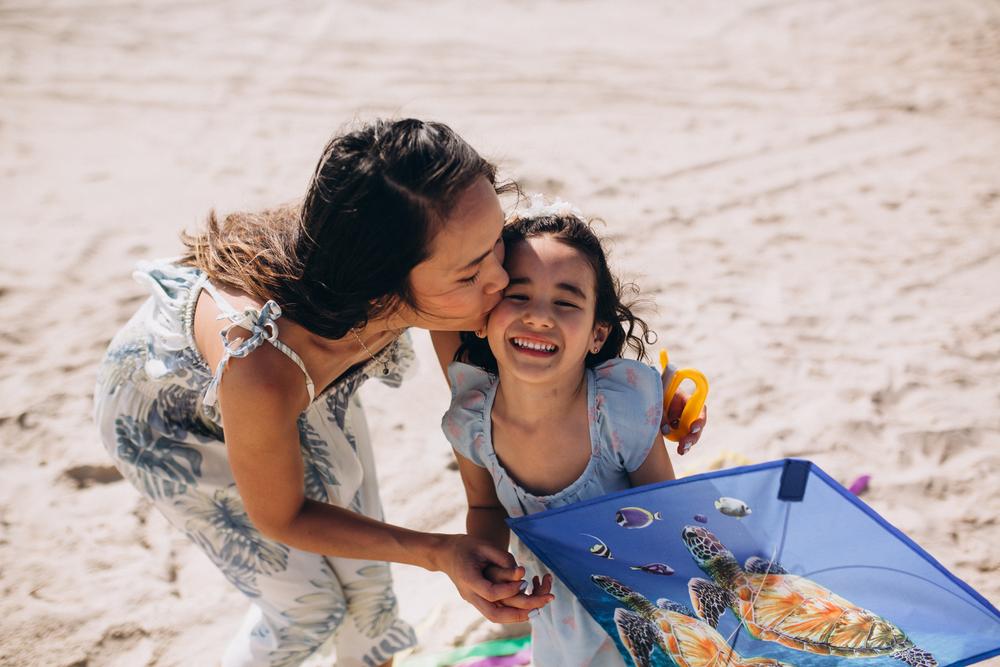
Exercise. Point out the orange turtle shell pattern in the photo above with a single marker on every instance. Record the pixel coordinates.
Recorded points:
(799, 613)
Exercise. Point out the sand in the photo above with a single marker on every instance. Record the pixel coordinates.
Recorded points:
(807, 191)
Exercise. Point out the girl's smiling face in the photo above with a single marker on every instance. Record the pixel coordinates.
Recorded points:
(544, 326)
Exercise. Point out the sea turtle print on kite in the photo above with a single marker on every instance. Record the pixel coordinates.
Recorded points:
(686, 640)
(788, 609)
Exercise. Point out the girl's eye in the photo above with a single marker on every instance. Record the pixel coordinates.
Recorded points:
(473, 279)
(567, 304)
(516, 297)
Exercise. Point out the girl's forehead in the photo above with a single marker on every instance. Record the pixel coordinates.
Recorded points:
(548, 255)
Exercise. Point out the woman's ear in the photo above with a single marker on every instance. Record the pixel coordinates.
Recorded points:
(599, 336)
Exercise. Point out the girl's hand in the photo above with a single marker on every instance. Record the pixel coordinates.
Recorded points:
(467, 559)
(671, 419)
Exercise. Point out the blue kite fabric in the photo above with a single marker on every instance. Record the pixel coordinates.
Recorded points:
(763, 565)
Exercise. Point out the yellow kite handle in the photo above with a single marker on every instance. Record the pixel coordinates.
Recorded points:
(672, 378)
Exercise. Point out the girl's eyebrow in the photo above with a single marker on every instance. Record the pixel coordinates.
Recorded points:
(572, 289)
(566, 287)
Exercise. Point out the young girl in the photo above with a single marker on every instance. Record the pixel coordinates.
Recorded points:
(547, 413)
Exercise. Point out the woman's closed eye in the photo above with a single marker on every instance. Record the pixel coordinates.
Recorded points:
(474, 278)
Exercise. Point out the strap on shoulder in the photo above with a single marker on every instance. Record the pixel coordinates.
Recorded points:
(263, 327)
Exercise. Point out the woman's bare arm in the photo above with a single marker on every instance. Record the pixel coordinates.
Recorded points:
(446, 344)
(261, 397)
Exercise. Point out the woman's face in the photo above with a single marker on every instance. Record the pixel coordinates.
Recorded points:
(463, 279)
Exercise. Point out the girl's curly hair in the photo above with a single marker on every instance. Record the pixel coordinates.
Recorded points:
(627, 330)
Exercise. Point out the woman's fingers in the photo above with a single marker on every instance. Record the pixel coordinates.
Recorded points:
(674, 410)
(671, 420)
(480, 570)
(495, 592)
(499, 575)
(536, 600)
(493, 556)
(496, 574)
(499, 613)
(490, 580)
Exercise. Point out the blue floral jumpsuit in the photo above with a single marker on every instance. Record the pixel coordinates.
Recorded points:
(155, 405)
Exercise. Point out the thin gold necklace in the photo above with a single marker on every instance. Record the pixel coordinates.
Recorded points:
(385, 363)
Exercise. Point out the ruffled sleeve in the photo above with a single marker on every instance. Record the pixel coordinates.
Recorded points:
(464, 423)
(629, 406)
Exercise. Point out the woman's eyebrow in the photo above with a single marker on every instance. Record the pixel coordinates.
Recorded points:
(474, 262)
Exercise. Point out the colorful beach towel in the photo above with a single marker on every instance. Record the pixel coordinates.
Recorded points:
(495, 653)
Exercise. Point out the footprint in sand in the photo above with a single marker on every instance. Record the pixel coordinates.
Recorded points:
(85, 476)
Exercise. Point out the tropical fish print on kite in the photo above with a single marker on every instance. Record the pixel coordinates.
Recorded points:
(810, 577)
(732, 507)
(635, 517)
(654, 568)
(600, 548)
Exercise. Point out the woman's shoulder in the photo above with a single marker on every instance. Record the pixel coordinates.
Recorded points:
(263, 387)
(240, 338)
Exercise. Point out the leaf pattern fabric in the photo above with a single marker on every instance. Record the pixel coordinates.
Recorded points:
(170, 445)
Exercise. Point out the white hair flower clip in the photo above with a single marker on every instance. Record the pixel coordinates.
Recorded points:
(540, 209)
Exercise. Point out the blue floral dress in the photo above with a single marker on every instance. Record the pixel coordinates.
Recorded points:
(625, 403)
(159, 419)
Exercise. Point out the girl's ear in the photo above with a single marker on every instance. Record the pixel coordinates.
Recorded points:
(599, 336)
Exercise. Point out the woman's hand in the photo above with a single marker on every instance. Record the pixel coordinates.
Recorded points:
(671, 420)
(541, 589)
(467, 559)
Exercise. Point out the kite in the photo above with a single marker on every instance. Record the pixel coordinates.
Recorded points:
(763, 565)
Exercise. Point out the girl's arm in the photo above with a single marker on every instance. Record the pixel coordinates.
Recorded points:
(485, 518)
(261, 401)
(656, 468)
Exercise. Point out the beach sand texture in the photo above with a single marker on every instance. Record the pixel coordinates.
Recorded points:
(808, 191)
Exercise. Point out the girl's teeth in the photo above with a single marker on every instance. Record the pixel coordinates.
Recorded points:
(534, 346)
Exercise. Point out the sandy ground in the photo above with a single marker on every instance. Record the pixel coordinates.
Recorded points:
(808, 191)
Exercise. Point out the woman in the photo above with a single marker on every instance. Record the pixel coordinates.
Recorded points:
(266, 327)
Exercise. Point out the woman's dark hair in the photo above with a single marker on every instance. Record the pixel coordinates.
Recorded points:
(378, 198)
(626, 330)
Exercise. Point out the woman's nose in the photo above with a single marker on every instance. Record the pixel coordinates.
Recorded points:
(496, 276)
